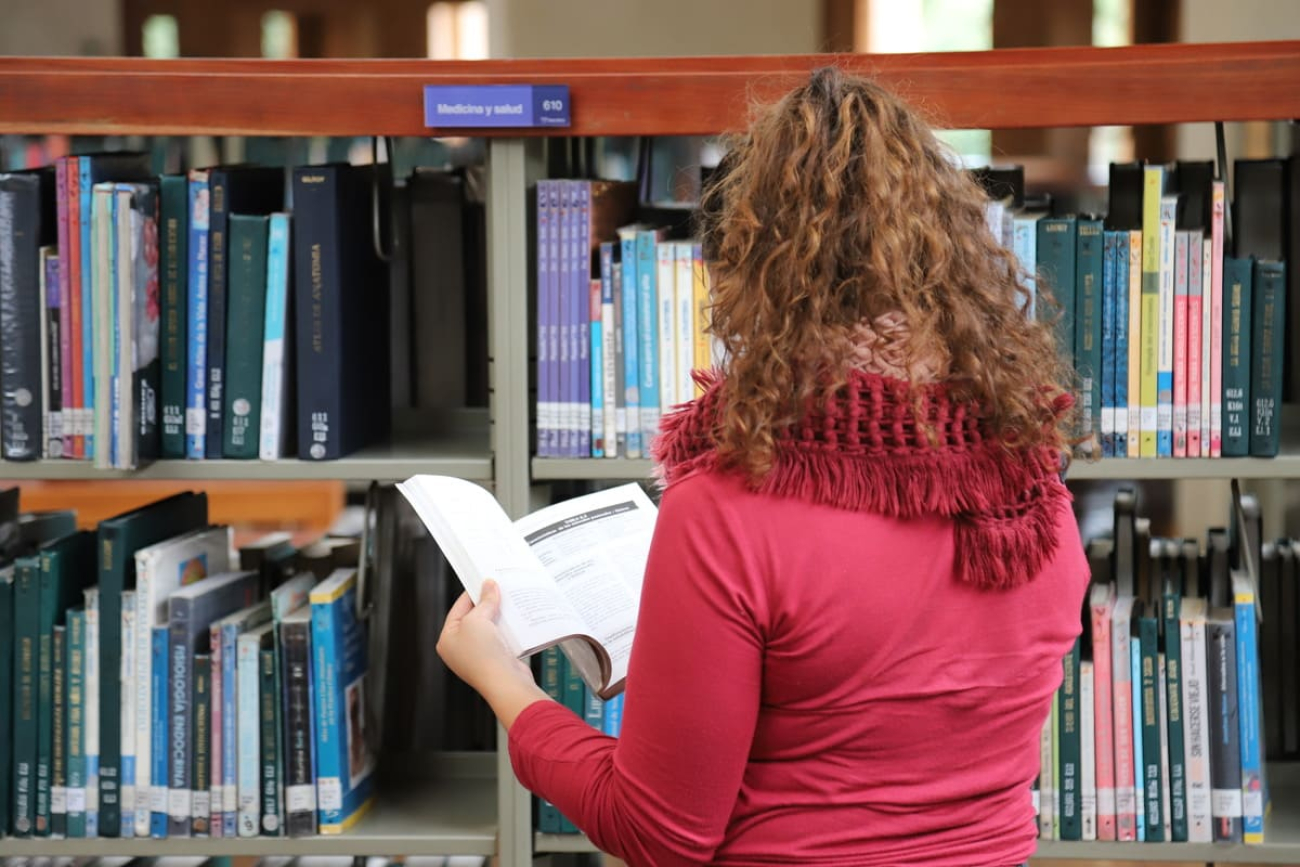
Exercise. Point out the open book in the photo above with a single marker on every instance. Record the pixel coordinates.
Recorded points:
(570, 574)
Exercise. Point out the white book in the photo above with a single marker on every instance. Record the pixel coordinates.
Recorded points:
(1134, 342)
(1024, 243)
(684, 295)
(666, 299)
(1196, 721)
(1207, 318)
(127, 718)
(249, 752)
(1165, 342)
(160, 570)
(1088, 751)
(276, 369)
(90, 750)
(609, 341)
(1046, 780)
(599, 543)
(1162, 685)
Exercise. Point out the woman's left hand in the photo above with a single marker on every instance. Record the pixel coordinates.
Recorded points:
(472, 645)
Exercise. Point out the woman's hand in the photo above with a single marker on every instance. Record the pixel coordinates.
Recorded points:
(471, 642)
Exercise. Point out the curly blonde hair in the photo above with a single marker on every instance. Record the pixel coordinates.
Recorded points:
(839, 206)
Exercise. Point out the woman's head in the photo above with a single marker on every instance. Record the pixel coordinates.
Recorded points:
(839, 207)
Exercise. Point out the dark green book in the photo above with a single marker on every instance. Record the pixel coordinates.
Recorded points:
(173, 264)
(1173, 601)
(1152, 798)
(1070, 749)
(75, 749)
(1087, 327)
(67, 568)
(1057, 241)
(58, 771)
(575, 700)
(272, 819)
(201, 739)
(245, 328)
(549, 820)
(1269, 320)
(6, 695)
(118, 540)
(26, 710)
(1237, 291)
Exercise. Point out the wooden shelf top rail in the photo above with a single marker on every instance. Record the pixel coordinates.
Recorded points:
(1000, 89)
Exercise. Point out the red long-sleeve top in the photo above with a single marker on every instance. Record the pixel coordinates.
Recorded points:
(811, 685)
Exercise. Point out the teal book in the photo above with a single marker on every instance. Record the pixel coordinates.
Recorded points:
(553, 665)
(6, 695)
(173, 274)
(1070, 749)
(271, 785)
(118, 540)
(1237, 296)
(1174, 710)
(245, 326)
(26, 710)
(58, 727)
(75, 748)
(1152, 774)
(1057, 243)
(67, 567)
(1267, 338)
(1089, 258)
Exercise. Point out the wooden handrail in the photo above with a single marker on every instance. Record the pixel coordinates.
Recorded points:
(1000, 89)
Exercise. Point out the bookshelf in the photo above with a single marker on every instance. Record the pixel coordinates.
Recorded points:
(475, 806)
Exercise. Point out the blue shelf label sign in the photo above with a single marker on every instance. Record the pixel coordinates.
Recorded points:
(479, 106)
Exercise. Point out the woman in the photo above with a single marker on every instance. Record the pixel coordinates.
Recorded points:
(865, 571)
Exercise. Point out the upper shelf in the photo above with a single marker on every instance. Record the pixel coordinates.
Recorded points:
(1000, 89)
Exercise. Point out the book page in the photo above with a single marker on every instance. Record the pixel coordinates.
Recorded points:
(595, 549)
(479, 542)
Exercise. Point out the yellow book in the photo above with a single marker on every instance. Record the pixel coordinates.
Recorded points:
(703, 347)
(1134, 290)
(1153, 187)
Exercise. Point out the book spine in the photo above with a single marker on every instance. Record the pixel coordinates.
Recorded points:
(700, 285)
(1196, 731)
(317, 309)
(1125, 794)
(1024, 243)
(1269, 322)
(142, 695)
(53, 364)
(218, 268)
(86, 445)
(48, 600)
(21, 411)
(563, 265)
(620, 363)
(300, 778)
(1153, 184)
(6, 702)
(1046, 776)
(648, 334)
(270, 791)
(142, 354)
(545, 445)
(608, 346)
(1236, 357)
(275, 350)
(126, 718)
(159, 747)
(26, 710)
(1196, 385)
(1225, 733)
(325, 692)
(1174, 719)
(1104, 721)
(94, 705)
(201, 757)
(1162, 693)
(112, 584)
(180, 799)
(1135, 345)
(665, 272)
(684, 292)
(1071, 820)
(216, 731)
(58, 733)
(1208, 394)
(196, 367)
(552, 665)
(1248, 714)
(1165, 340)
(1181, 357)
(1108, 369)
(1216, 319)
(597, 371)
(632, 362)
(1089, 263)
(172, 268)
(248, 754)
(1152, 778)
(62, 187)
(245, 332)
(72, 383)
(582, 306)
(1056, 766)
(1088, 751)
(75, 748)
(1057, 238)
(229, 756)
(1139, 757)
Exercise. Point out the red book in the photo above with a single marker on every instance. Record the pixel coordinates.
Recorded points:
(1103, 608)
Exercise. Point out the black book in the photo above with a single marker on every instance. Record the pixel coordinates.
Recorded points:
(340, 311)
(253, 190)
(1124, 211)
(27, 223)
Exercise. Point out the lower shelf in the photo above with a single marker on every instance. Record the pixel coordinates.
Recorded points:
(450, 815)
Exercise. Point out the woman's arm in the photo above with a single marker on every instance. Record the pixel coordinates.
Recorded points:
(662, 793)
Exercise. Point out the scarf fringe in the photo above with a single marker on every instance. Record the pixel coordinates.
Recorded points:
(1004, 507)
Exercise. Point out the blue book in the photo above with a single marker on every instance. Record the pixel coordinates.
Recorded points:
(631, 339)
(87, 305)
(647, 241)
(277, 371)
(196, 362)
(1254, 792)
(230, 628)
(344, 764)
(158, 732)
(1139, 763)
(597, 354)
(1124, 425)
(1165, 359)
(1109, 332)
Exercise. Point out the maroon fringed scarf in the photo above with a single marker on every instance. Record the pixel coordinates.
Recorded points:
(864, 452)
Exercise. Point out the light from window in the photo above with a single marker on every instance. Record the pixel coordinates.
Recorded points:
(1112, 24)
(279, 35)
(457, 30)
(161, 37)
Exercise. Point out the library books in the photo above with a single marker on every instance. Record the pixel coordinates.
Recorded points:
(570, 574)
